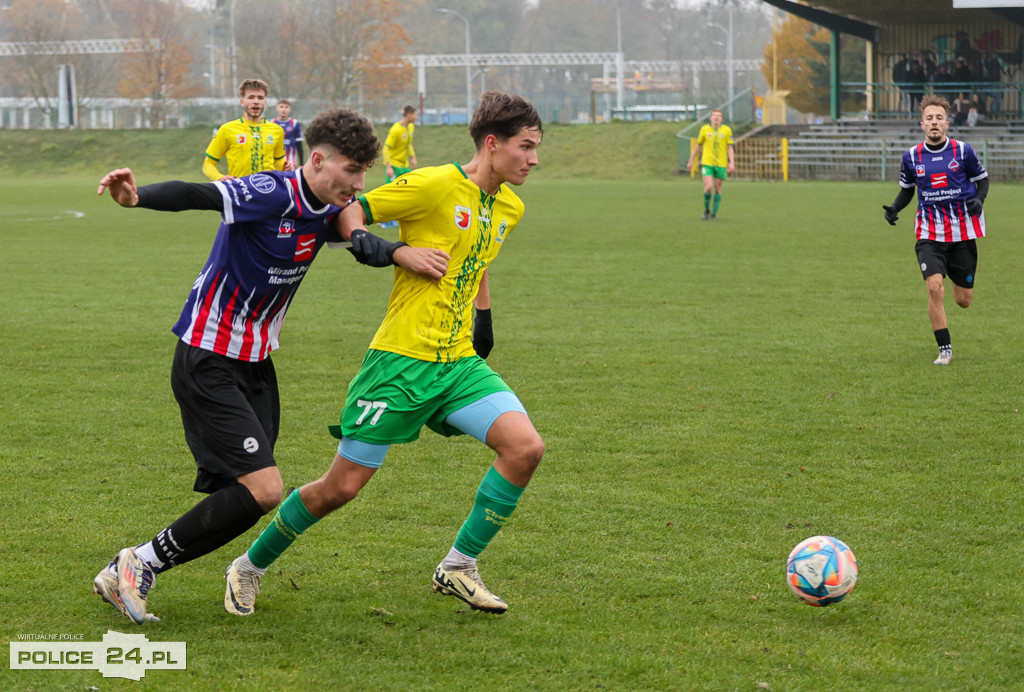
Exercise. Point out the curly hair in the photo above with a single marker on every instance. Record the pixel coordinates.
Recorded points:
(502, 115)
(345, 131)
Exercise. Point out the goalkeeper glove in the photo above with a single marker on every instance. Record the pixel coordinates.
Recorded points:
(371, 250)
(483, 333)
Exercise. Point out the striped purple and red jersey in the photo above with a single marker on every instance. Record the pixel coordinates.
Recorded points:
(268, 237)
(945, 181)
(292, 136)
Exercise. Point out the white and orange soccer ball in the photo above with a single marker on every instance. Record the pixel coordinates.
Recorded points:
(821, 570)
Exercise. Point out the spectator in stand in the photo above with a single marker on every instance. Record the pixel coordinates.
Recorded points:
(962, 72)
(978, 104)
(993, 74)
(961, 107)
(917, 78)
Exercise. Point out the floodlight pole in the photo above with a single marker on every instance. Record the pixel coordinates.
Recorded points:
(620, 63)
(729, 56)
(469, 72)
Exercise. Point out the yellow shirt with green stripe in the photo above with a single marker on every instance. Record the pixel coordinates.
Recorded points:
(250, 147)
(398, 145)
(439, 207)
(715, 151)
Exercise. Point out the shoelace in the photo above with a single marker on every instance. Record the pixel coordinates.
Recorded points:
(248, 585)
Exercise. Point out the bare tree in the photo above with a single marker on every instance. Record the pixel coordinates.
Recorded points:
(351, 50)
(160, 72)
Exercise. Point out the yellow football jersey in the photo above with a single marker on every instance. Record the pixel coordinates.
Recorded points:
(715, 151)
(398, 145)
(250, 147)
(439, 207)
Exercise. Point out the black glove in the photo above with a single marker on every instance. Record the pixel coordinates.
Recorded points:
(974, 206)
(483, 333)
(891, 215)
(371, 250)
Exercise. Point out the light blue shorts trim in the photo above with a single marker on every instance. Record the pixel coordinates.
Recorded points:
(363, 453)
(477, 418)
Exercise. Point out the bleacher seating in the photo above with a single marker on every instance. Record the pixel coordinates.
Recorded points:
(871, 150)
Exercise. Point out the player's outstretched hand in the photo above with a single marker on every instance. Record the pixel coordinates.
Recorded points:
(891, 215)
(121, 183)
(974, 206)
(425, 261)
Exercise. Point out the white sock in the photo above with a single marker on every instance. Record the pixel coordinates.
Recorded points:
(245, 563)
(147, 554)
(457, 560)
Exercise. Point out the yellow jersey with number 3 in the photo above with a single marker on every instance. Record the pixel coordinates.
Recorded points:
(439, 207)
(715, 151)
(250, 147)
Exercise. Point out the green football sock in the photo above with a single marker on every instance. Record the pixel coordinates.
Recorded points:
(707, 200)
(718, 200)
(291, 520)
(495, 501)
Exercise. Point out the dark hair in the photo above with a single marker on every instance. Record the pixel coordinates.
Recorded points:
(409, 110)
(253, 85)
(284, 101)
(933, 100)
(502, 115)
(345, 131)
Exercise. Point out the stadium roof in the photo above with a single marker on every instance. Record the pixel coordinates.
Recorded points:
(863, 17)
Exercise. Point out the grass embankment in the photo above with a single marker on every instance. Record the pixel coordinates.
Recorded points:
(619, 150)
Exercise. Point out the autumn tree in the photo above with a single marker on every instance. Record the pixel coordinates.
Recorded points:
(802, 49)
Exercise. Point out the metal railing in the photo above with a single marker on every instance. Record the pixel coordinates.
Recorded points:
(898, 99)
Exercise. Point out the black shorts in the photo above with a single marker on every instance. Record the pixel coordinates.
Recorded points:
(958, 261)
(231, 413)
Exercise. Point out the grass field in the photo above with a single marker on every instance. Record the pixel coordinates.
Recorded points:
(710, 393)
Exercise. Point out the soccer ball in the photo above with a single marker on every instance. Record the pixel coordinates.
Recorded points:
(821, 570)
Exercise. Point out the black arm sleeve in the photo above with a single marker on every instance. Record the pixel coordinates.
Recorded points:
(301, 151)
(175, 195)
(904, 198)
(982, 186)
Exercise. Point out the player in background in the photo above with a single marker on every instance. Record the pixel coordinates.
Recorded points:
(425, 365)
(251, 143)
(952, 185)
(717, 160)
(398, 153)
(293, 139)
(272, 226)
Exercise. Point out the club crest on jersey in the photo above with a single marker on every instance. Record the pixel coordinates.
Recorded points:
(270, 139)
(304, 246)
(954, 166)
(939, 180)
(262, 182)
(285, 228)
(919, 169)
(499, 237)
(462, 217)
(241, 139)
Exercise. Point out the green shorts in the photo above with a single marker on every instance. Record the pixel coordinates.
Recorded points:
(399, 172)
(721, 172)
(393, 396)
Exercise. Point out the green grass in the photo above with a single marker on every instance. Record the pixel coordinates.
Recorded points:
(620, 150)
(710, 393)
